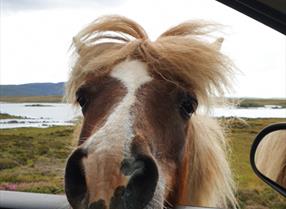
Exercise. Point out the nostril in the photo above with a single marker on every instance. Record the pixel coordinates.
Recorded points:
(75, 184)
(142, 184)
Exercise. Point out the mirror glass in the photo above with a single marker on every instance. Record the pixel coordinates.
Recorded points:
(270, 157)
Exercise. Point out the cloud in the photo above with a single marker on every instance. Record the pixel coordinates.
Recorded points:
(28, 5)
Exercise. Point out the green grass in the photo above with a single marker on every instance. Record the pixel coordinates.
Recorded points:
(252, 192)
(33, 159)
(7, 116)
(40, 99)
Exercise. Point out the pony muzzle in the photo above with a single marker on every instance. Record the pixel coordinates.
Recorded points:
(140, 171)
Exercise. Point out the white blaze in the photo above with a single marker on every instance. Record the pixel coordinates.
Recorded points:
(117, 131)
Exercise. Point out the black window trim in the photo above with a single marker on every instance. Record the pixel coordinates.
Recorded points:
(260, 12)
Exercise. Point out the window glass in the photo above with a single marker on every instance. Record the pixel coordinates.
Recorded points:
(36, 128)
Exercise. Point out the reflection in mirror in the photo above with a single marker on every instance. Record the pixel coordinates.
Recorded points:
(270, 157)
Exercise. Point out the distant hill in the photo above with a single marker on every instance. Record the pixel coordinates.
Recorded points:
(33, 89)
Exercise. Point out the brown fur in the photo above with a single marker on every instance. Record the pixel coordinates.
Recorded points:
(105, 94)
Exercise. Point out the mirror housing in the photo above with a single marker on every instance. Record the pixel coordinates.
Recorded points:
(258, 139)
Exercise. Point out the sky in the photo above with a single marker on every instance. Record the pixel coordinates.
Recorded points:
(35, 36)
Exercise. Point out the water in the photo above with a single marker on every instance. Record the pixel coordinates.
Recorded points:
(260, 112)
(38, 115)
(50, 114)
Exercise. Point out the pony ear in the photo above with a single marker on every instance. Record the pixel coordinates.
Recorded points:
(217, 43)
(206, 178)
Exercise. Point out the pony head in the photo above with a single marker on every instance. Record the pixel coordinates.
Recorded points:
(141, 144)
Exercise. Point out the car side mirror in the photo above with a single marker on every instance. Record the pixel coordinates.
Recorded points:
(268, 156)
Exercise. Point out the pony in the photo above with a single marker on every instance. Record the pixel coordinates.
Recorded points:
(270, 158)
(142, 142)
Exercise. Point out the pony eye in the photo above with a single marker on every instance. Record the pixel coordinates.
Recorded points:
(188, 106)
(82, 101)
(81, 98)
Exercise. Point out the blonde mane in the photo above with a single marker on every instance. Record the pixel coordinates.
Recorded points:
(180, 56)
(209, 182)
(270, 157)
